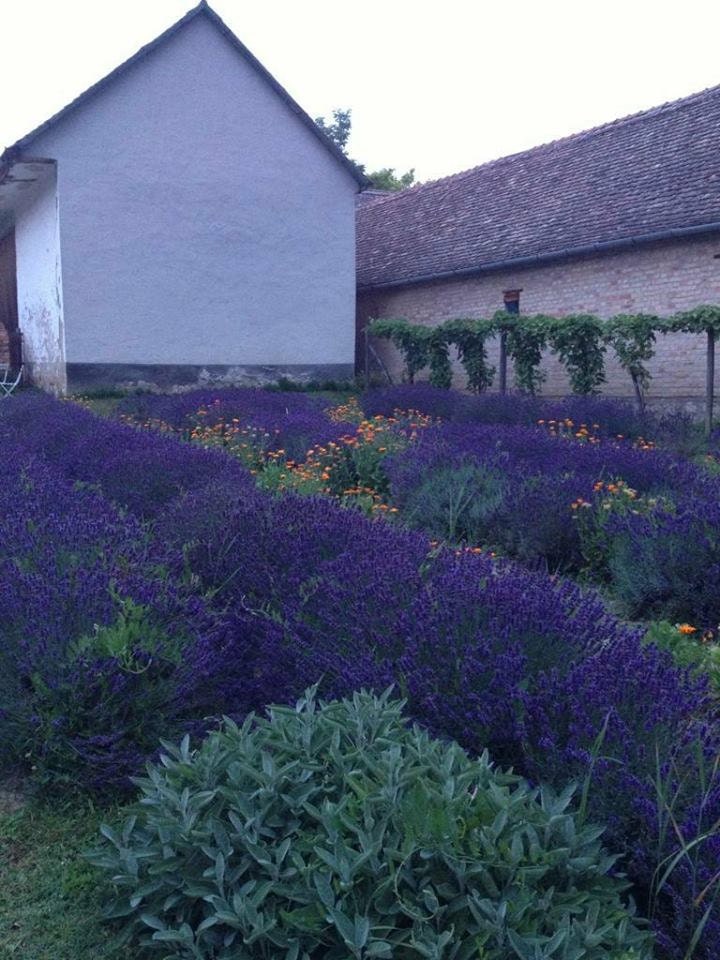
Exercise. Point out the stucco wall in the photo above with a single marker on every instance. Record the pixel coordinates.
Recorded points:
(202, 222)
(39, 289)
(661, 279)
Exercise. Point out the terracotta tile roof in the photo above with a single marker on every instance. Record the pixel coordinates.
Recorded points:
(647, 176)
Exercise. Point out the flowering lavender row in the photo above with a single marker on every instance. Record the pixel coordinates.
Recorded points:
(178, 409)
(137, 471)
(544, 499)
(69, 563)
(529, 666)
(612, 416)
(293, 422)
(247, 598)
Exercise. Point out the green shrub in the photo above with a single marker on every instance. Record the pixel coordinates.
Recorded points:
(87, 720)
(334, 830)
(457, 502)
(691, 647)
(526, 339)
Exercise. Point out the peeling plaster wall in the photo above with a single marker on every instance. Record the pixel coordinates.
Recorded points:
(39, 283)
(202, 222)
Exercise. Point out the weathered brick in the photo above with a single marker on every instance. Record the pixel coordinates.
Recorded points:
(4, 345)
(662, 279)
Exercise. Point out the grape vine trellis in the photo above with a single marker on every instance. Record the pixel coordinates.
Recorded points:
(579, 340)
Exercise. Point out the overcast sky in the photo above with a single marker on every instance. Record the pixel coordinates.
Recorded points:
(437, 86)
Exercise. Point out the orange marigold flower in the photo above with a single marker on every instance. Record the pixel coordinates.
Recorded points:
(686, 628)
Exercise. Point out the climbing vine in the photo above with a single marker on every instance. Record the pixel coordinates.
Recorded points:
(410, 339)
(579, 341)
(470, 338)
(527, 337)
(632, 337)
(439, 357)
(703, 319)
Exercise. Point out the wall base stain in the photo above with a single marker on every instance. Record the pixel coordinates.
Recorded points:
(176, 378)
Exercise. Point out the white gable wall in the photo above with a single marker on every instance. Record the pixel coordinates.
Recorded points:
(201, 221)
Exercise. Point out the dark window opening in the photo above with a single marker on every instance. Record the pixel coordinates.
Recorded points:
(511, 300)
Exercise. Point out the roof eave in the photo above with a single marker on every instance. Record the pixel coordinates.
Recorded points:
(605, 246)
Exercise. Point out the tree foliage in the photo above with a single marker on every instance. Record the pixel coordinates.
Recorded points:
(579, 341)
(339, 129)
(387, 179)
(527, 337)
(632, 337)
(470, 338)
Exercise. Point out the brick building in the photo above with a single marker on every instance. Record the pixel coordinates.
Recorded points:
(621, 218)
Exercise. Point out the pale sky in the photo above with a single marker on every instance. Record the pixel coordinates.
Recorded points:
(438, 86)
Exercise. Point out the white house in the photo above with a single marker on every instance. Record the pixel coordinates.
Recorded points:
(182, 221)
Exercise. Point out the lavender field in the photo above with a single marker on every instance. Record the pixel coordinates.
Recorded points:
(537, 580)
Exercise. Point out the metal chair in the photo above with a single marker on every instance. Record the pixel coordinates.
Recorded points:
(9, 380)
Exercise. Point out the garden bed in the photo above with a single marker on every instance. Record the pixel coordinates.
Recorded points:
(151, 585)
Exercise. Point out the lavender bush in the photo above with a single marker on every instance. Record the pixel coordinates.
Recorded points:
(674, 431)
(75, 712)
(293, 422)
(665, 564)
(542, 499)
(511, 487)
(612, 416)
(530, 667)
(257, 596)
(136, 470)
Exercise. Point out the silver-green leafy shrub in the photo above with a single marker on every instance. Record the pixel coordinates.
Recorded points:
(334, 830)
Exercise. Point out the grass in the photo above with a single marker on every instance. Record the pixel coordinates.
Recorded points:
(50, 898)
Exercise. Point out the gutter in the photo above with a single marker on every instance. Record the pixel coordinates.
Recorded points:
(604, 246)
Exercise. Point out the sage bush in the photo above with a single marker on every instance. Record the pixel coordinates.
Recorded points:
(334, 830)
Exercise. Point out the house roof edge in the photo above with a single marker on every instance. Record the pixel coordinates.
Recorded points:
(582, 250)
(15, 150)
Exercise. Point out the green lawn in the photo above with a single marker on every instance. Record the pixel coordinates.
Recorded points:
(49, 896)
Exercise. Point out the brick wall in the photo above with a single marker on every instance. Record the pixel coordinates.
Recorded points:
(660, 279)
(4, 345)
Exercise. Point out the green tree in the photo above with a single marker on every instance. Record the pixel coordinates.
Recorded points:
(386, 179)
(338, 130)
(633, 339)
